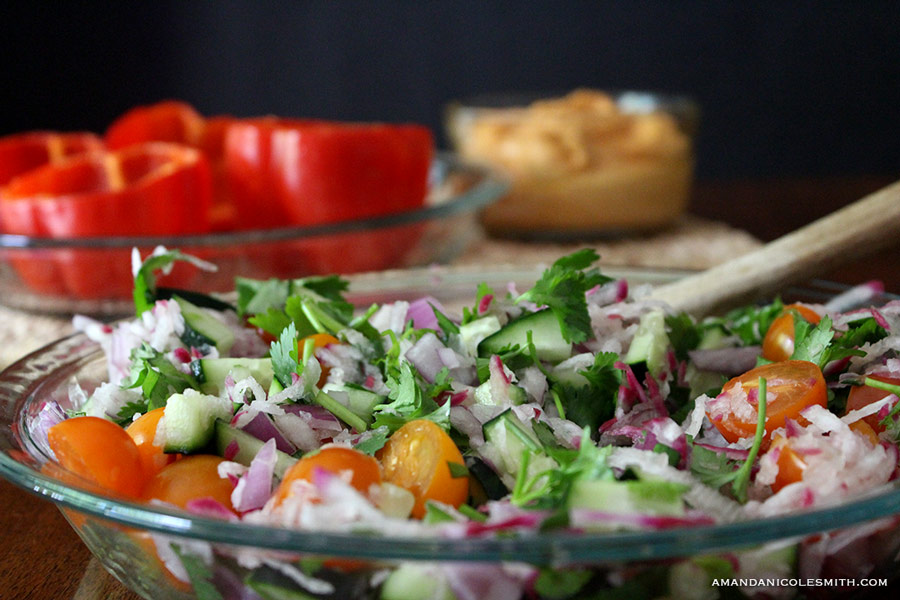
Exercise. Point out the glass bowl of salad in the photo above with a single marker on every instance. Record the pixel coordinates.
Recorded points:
(456, 433)
(92, 275)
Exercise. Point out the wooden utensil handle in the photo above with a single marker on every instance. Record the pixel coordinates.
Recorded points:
(864, 226)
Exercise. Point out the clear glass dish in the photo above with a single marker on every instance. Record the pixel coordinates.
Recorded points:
(93, 275)
(865, 532)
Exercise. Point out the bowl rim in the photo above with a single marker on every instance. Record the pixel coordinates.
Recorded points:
(18, 386)
(488, 186)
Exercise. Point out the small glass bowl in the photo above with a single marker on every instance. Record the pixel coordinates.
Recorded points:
(585, 164)
(93, 275)
(855, 540)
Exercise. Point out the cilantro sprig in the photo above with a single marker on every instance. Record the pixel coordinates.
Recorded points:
(157, 378)
(715, 470)
(562, 288)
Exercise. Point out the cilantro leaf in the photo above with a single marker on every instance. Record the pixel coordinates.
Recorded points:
(200, 575)
(471, 314)
(750, 323)
(593, 402)
(812, 343)
(551, 489)
(683, 333)
(447, 326)
(160, 259)
(562, 288)
(374, 442)
(284, 353)
(408, 402)
(156, 376)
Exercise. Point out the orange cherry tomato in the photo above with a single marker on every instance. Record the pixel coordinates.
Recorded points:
(863, 395)
(864, 429)
(790, 464)
(191, 478)
(417, 457)
(791, 386)
(101, 452)
(143, 432)
(22, 152)
(778, 343)
(364, 470)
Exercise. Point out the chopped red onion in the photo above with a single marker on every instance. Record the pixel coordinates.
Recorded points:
(262, 428)
(255, 486)
(727, 361)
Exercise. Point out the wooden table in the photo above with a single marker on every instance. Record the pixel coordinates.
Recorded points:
(41, 557)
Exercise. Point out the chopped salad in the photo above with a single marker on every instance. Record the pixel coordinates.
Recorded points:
(576, 405)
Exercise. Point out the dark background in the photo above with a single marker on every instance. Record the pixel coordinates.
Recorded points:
(786, 88)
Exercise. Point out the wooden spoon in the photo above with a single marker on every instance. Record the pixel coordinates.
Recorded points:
(860, 228)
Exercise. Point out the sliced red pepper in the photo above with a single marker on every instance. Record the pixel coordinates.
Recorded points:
(167, 121)
(284, 172)
(178, 122)
(148, 189)
(23, 152)
(304, 172)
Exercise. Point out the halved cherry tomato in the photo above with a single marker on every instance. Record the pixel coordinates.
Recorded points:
(149, 189)
(790, 464)
(23, 152)
(100, 451)
(143, 432)
(778, 343)
(364, 471)
(304, 172)
(864, 429)
(863, 395)
(791, 386)
(191, 478)
(417, 457)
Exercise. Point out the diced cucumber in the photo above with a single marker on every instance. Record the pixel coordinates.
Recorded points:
(200, 325)
(506, 439)
(212, 372)
(549, 343)
(189, 420)
(483, 394)
(634, 496)
(410, 581)
(471, 334)
(275, 386)
(359, 400)
(650, 342)
(246, 447)
(484, 483)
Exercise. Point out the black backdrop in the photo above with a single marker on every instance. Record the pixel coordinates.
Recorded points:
(786, 88)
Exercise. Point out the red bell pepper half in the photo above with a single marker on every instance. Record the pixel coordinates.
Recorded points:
(23, 152)
(148, 189)
(178, 122)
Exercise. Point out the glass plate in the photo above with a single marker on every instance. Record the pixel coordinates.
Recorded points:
(113, 529)
(93, 275)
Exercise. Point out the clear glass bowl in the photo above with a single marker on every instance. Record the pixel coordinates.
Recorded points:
(93, 275)
(580, 164)
(854, 540)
